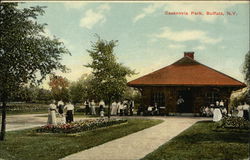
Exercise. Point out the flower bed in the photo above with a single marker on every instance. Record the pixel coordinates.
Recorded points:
(234, 122)
(80, 126)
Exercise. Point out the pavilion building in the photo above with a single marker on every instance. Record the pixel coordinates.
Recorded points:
(198, 84)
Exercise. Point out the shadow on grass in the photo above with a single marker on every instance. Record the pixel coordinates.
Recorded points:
(208, 131)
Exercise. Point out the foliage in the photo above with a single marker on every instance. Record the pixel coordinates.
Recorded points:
(133, 94)
(201, 141)
(234, 122)
(27, 54)
(246, 68)
(109, 82)
(25, 93)
(80, 126)
(26, 107)
(31, 94)
(25, 51)
(79, 90)
(44, 96)
(239, 97)
(59, 88)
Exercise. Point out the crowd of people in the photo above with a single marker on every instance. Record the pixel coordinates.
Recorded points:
(209, 110)
(219, 110)
(65, 112)
(243, 110)
(117, 108)
(126, 107)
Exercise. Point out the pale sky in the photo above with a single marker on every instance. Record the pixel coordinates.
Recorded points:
(148, 38)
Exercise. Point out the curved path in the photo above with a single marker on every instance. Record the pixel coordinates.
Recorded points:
(139, 144)
(25, 121)
(131, 147)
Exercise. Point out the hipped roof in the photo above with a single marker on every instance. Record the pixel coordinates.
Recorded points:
(186, 72)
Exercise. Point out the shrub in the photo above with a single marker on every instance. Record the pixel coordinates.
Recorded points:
(80, 126)
(26, 107)
(234, 122)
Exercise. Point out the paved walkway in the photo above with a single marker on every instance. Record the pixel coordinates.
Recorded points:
(25, 121)
(139, 144)
(131, 147)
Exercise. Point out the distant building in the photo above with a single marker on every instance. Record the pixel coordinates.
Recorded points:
(198, 84)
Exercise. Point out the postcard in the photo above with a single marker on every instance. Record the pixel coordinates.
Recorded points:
(124, 80)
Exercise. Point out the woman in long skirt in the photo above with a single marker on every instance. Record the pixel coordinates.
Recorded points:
(52, 114)
(114, 109)
(93, 107)
(217, 115)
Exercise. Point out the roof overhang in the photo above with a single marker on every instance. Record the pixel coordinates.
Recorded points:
(183, 85)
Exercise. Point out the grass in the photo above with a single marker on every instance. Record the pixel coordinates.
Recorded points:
(27, 144)
(204, 141)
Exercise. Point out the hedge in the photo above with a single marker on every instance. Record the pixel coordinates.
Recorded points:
(26, 107)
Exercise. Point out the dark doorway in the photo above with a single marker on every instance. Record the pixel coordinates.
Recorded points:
(187, 106)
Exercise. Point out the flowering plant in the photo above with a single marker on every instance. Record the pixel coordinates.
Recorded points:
(80, 126)
(234, 122)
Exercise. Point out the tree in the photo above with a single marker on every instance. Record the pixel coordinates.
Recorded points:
(31, 94)
(59, 88)
(246, 68)
(133, 94)
(27, 55)
(80, 90)
(109, 81)
(27, 93)
(44, 95)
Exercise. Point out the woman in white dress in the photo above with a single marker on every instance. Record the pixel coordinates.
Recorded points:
(92, 104)
(52, 113)
(217, 115)
(114, 109)
(240, 110)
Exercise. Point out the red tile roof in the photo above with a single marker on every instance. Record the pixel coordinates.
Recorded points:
(186, 72)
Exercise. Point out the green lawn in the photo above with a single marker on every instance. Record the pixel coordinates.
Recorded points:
(204, 141)
(27, 145)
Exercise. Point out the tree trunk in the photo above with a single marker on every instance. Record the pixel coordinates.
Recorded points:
(3, 126)
(109, 109)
